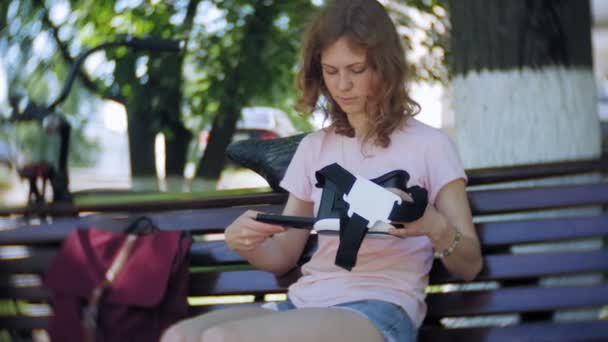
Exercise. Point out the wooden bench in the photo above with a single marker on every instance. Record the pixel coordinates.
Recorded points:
(516, 297)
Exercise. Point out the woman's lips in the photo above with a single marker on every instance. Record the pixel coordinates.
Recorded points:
(347, 100)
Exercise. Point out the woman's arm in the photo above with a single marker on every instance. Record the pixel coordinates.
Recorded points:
(266, 246)
(455, 213)
(451, 213)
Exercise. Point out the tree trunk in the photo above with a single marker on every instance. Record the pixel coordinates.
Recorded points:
(224, 126)
(176, 148)
(166, 84)
(523, 86)
(177, 137)
(140, 124)
(152, 107)
(239, 89)
(155, 105)
(141, 142)
(524, 93)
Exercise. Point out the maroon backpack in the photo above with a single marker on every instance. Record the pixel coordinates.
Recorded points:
(108, 286)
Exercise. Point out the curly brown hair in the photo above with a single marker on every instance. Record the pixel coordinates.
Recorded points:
(366, 24)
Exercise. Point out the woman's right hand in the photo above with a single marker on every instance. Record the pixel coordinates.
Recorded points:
(245, 234)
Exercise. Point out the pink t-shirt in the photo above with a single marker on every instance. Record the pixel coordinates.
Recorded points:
(388, 268)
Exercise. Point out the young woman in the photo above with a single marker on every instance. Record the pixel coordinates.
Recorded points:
(354, 61)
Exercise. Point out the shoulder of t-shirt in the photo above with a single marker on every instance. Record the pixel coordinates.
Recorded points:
(315, 139)
(424, 132)
(319, 135)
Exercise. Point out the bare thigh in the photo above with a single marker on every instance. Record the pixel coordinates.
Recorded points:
(191, 330)
(301, 325)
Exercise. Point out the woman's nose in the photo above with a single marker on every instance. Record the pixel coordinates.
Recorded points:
(344, 82)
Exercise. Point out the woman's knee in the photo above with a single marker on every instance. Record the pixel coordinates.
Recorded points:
(181, 332)
(220, 333)
(173, 334)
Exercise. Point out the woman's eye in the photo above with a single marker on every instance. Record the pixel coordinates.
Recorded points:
(330, 72)
(359, 70)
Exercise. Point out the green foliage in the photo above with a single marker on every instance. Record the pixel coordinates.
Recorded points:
(34, 144)
(31, 143)
(35, 70)
(222, 36)
(215, 53)
(84, 152)
(424, 23)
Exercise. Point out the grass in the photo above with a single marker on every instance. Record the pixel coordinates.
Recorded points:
(152, 195)
(130, 197)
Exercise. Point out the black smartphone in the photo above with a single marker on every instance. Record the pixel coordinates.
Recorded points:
(301, 222)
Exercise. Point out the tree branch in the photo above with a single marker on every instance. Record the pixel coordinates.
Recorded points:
(86, 80)
(187, 28)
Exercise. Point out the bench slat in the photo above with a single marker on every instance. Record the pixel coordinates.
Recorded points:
(207, 220)
(508, 267)
(541, 230)
(201, 254)
(24, 322)
(33, 294)
(36, 262)
(237, 282)
(197, 221)
(554, 332)
(489, 302)
(517, 299)
(491, 234)
(537, 198)
(214, 220)
(201, 284)
(502, 174)
(496, 267)
(220, 201)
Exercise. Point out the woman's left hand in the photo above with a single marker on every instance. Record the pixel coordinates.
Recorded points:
(431, 223)
(448, 223)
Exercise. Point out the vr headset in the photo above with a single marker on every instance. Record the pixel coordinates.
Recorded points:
(353, 206)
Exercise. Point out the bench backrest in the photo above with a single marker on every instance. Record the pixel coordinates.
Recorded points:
(521, 286)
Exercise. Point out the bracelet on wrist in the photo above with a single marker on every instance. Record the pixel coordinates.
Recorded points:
(450, 249)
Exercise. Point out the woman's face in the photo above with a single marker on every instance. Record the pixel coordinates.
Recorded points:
(347, 76)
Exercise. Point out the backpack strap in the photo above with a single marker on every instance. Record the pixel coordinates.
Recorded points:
(91, 311)
(142, 225)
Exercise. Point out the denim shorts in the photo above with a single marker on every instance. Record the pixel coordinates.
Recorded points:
(390, 320)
